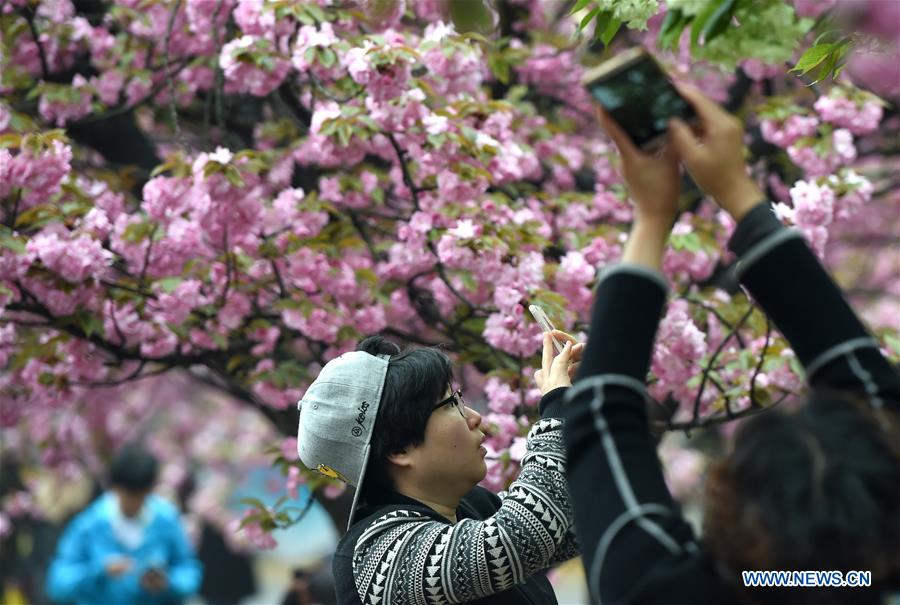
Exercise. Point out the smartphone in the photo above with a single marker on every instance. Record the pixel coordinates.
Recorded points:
(541, 317)
(636, 92)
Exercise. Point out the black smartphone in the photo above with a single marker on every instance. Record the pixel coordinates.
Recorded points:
(635, 91)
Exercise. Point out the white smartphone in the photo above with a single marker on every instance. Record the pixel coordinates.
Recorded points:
(541, 317)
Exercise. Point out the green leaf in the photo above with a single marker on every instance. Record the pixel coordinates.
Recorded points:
(89, 323)
(11, 242)
(168, 284)
(812, 57)
(327, 57)
(588, 18)
(700, 20)
(317, 13)
(234, 176)
(830, 64)
(671, 29)
(601, 24)
(10, 139)
(499, 67)
(470, 15)
(578, 6)
(610, 31)
(687, 241)
(719, 20)
(344, 132)
(672, 19)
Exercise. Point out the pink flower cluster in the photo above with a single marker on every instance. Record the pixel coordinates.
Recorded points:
(680, 347)
(74, 260)
(509, 332)
(859, 118)
(786, 133)
(501, 398)
(38, 176)
(573, 279)
(816, 204)
(251, 65)
(383, 78)
(257, 17)
(460, 71)
(62, 106)
(554, 72)
(312, 37)
(824, 157)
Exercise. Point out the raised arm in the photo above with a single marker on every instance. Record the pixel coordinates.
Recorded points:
(631, 532)
(785, 277)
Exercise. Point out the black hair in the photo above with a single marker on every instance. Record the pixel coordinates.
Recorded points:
(818, 488)
(417, 378)
(133, 468)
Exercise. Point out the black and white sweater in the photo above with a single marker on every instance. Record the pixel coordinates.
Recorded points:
(637, 547)
(401, 552)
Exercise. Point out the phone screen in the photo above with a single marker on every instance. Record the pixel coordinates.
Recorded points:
(640, 98)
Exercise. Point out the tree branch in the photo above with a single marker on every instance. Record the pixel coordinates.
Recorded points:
(708, 368)
(29, 14)
(125, 108)
(709, 421)
(173, 111)
(762, 356)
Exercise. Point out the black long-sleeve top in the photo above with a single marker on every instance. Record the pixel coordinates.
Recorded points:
(636, 546)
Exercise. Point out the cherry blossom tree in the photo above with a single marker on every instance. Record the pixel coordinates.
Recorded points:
(230, 193)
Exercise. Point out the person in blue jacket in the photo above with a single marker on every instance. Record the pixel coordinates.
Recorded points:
(128, 547)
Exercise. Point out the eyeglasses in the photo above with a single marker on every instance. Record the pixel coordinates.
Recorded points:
(456, 400)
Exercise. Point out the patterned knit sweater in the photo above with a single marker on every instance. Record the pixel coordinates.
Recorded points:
(403, 552)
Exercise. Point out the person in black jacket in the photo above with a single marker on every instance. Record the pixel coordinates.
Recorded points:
(817, 488)
(392, 424)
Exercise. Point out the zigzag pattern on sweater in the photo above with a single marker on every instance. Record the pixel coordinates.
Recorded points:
(406, 557)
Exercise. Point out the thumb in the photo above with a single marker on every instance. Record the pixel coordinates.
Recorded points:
(561, 361)
(616, 133)
(683, 141)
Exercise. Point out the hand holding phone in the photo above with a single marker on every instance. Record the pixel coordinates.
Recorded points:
(653, 180)
(635, 92)
(541, 317)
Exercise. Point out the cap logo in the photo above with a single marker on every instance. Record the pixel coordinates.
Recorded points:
(330, 472)
(357, 429)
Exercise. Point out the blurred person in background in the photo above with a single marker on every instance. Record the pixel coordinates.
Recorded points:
(816, 487)
(128, 547)
(298, 593)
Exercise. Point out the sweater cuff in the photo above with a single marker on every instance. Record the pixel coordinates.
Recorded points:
(755, 226)
(551, 405)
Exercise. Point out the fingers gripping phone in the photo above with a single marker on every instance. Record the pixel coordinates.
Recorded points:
(636, 92)
(541, 317)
